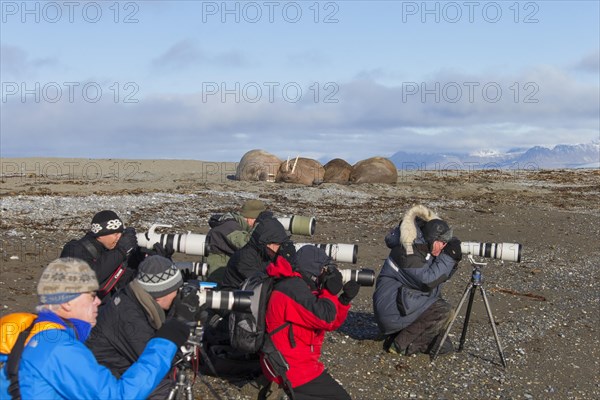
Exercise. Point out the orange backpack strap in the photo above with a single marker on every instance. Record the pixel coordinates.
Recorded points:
(16, 330)
(42, 326)
(11, 326)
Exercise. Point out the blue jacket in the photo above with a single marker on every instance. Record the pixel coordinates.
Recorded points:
(407, 285)
(57, 365)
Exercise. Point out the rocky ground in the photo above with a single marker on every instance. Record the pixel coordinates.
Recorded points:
(546, 307)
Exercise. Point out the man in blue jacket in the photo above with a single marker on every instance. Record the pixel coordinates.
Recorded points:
(55, 364)
(407, 302)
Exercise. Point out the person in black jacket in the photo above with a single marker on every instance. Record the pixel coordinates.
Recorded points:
(110, 249)
(262, 248)
(133, 315)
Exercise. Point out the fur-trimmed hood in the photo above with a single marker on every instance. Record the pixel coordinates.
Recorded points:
(408, 226)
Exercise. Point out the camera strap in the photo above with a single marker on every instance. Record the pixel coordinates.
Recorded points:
(112, 280)
(90, 248)
(115, 276)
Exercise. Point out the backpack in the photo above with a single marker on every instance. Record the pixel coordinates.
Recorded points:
(15, 331)
(248, 331)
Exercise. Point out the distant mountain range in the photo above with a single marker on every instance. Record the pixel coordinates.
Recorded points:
(538, 157)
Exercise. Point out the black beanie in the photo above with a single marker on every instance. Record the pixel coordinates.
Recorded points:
(105, 223)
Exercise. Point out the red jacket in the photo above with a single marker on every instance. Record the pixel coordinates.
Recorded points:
(310, 315)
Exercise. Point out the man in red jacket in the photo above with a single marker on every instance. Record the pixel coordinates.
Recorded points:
(303, 306)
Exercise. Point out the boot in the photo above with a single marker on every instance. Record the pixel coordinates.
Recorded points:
(447, 346)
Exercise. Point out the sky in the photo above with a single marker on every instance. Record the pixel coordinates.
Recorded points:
(211, 80)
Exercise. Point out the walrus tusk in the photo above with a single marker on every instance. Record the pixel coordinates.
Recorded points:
(295, 163)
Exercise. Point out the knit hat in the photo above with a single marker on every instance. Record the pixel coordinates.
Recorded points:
(158, 276)
(64, 279)
(252, 208)
(105, 223)
(312, 259)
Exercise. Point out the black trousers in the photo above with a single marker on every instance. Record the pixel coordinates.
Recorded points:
(323, 387)
(419, 336)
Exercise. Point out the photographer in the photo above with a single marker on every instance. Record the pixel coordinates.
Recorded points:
(302, 307)
(260, 251)
(133, 315)
(110, 249)
(407, 301)
(54, 363)
(229, 232)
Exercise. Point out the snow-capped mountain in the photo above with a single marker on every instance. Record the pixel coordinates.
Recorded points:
(538, 157)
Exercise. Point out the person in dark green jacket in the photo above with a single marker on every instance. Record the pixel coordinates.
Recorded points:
(229, 232)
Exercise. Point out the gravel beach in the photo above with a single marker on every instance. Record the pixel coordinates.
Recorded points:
(547, 307)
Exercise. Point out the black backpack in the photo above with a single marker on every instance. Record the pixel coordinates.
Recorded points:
(248, 331)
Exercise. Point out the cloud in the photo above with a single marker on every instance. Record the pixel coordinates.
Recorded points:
(16, 63)
(590, 63)
(540, 106)
(187, 54)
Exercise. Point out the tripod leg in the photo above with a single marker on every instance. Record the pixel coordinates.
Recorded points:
(491, 317)
(188, 391)
(462, 300)
(173, 393)
(463, 335)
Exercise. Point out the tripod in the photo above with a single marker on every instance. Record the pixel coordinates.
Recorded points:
(183, 385)
(476, 282)
(186, 365)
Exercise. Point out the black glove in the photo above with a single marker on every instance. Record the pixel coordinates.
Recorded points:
(332, 280)
(164, 251)
(453, 249)
(287, 250)
(191, 270)
(187, 305)
(174, 330)
(127, 242)
(350, 291)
